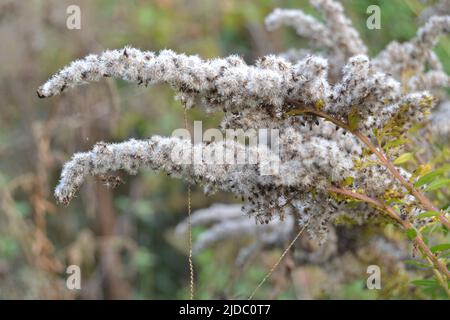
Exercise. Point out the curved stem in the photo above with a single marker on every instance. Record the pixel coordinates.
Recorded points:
(408, 185)
(426, 203)
(440, 279)
(308, 110)
(404, 223)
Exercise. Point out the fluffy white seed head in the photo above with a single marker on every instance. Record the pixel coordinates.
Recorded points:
(391, 90)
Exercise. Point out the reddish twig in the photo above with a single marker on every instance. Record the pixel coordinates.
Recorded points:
(393, 214)
(426, 203)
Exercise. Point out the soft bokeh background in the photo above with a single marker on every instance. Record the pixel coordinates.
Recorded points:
(123, 238)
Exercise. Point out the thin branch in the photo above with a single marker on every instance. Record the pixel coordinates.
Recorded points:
(267, 276)
(379, 154)
(405, 224)
(302, 109)
(408, 185)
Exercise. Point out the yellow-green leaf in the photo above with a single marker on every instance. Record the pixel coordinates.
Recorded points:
(440, 247)
(411, 233)
(416, 264)
(319, 104)
(429, 177)
(421, 170)
(353, 121)
(437, 184)
(427, 214)
(403, 158)
(347, 181)
(394, 143)
(426, 283)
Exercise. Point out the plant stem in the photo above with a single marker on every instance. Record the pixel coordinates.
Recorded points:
(376, 202)
(440, 279)
(405, 224)
(408, 185)
(426, 203)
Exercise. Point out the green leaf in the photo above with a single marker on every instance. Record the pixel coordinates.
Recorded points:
(394, 143)
(427, 283)
(347, 181)
(403, 158)
(437, 184)
(440, 247)
(426, 179)
(427, 214)
(353, 121)
(378, 135)
(416, 264)
(395, 200)
(429, 177)
(411, 233)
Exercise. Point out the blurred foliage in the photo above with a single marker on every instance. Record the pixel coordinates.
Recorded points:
(38, 239)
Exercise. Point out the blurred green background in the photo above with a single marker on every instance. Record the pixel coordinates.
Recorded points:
(122, 238)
